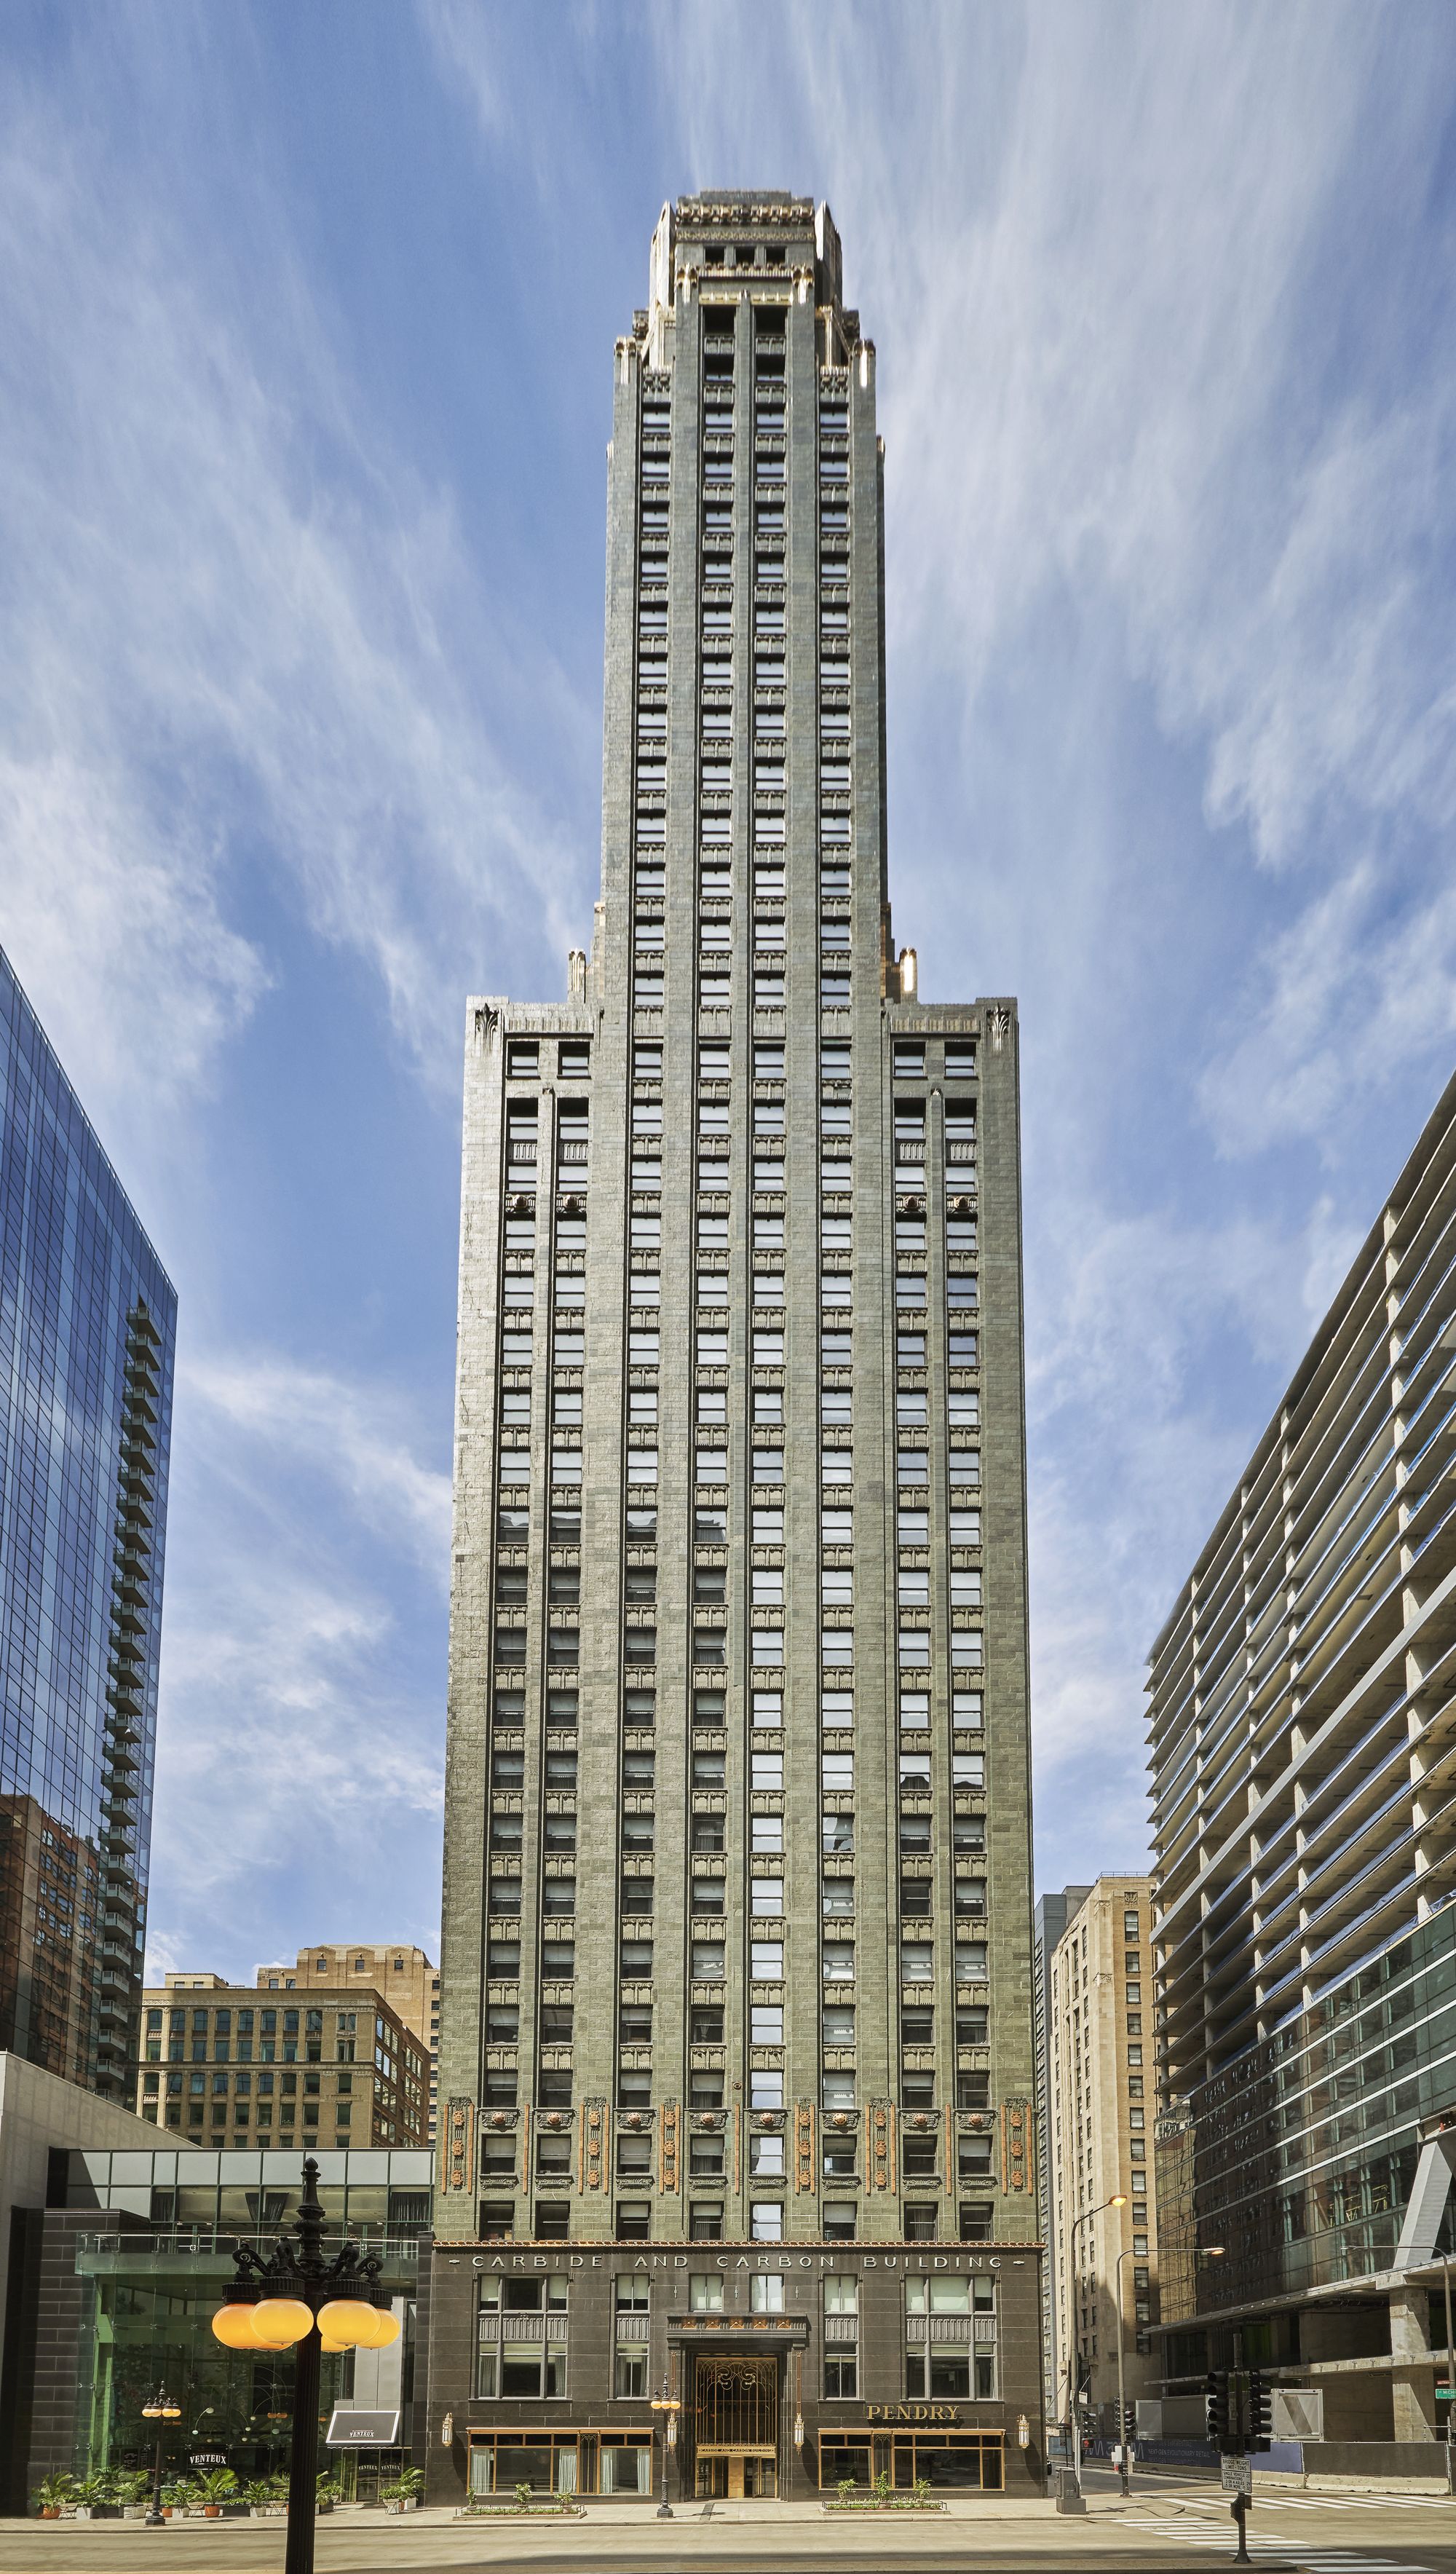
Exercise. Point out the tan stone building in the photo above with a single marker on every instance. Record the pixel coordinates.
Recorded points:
(405, 1976)
(238, 2064)
(1099, 2113)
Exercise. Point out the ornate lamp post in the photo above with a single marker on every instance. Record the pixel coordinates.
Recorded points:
(296, 2300)
(670, 2406)
(159, 2408)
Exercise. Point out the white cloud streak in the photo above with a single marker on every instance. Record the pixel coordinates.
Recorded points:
(299, 1736)
(1132, 273)
(234, 636)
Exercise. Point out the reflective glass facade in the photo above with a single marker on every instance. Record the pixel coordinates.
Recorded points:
(1299, 2158)
(87, 1335)
(133, 2271)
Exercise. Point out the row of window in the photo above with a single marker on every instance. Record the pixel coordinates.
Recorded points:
(836, 1707)
(548, 2221)
(527, 1058)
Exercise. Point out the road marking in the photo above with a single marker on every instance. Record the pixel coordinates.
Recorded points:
(1318, 2560)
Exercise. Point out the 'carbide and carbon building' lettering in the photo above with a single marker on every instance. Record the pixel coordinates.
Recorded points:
(736, 1945)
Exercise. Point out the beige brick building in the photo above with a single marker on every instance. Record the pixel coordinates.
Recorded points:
(405, 1977)
(1099, 2112)
(240, 2064)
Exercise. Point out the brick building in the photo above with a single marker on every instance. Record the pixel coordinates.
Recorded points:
(240, 2064)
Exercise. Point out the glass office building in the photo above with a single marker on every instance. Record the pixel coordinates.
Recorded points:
(129, 2273)
(87, 1331)
(1303, 1718)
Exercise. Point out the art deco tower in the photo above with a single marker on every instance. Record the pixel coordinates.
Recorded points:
(736, 1941)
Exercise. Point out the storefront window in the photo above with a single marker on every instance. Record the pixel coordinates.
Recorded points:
(146, 2317)
(627, 2467)
(562, 2463)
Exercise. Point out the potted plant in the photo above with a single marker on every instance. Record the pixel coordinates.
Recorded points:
(328, 2492)
(403, 2491)
(53, 2496)
(129, 2488)
(213, 2490)
(89, 2498)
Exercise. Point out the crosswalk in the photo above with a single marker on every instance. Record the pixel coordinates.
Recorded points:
(1197, 2532)
(1206, 2500)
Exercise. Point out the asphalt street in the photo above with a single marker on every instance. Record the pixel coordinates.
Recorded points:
(1168, 2527)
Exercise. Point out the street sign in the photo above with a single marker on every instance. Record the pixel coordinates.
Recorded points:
(1236, 2475)
(351, 2428)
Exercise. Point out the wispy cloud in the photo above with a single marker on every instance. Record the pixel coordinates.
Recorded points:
(1167, 386)
(235, 637)
(300, 1728)
(1168, 396)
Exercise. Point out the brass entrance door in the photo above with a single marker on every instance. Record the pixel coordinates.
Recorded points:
(735, 2426)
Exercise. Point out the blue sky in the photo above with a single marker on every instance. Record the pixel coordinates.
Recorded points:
(306, 322)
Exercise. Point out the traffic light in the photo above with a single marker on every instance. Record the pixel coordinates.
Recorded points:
(1215, 2406)
(1259, 2411)
(1129, 2421)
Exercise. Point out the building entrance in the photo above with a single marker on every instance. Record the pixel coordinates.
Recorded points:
(734, 2427)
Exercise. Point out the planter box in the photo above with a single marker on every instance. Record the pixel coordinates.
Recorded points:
(412, 2505)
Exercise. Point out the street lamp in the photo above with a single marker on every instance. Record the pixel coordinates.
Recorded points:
(1117, 2200)
(670, 2406)
(1209, 2252)
(159, 2408)
(296, 2300)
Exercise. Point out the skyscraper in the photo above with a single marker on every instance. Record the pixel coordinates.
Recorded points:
(86, 1330)
(736, 1981)
(1096, 2123)
(1054, 1911)
(1303, 1737)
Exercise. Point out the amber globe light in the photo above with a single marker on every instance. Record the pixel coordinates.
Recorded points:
(349, 2323)
(232, 2326)
(281, 2320)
